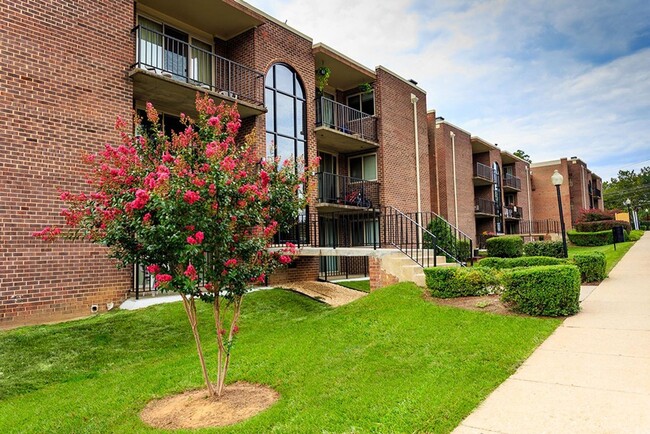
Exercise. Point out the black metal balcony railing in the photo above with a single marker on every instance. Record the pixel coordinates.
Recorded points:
(337, 267)
(176, 59)
(345, 119)
(539, 227)
(597, 192)
(484, 172)
(512, 212)
(511, 181)
(345, 190)
(485, 206)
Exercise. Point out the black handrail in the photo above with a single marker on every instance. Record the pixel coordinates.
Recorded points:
(456, 245)
(408, 236)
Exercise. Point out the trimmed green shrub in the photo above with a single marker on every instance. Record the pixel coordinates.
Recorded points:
(592, 265)
(448, 282)
(553, 249)
(447, 241)
(604, 225)
(508, 246)
(551, 290)
(635, 235)
(590, 238)
(524, 261)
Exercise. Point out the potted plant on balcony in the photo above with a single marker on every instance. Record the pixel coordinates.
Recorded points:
(322, 76)
(365, 88)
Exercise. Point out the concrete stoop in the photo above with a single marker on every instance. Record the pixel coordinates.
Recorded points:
(406, 270)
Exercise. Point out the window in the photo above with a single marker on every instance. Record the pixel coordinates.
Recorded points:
(364, 102)
(285, 119)
(364, 167)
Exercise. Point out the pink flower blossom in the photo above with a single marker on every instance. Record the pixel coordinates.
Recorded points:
(284, 259)
(230, 262)
(199, 237)
(141, 199)
(167, 157)
(162, 279)
(153, 269)
(190, 272)
(214, 121)
(146, 218)
(191, 197)
(47, 234)
(212, 189)
(228, 164)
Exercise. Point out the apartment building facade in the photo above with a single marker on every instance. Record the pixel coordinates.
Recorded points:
(71, 68)
(581, 189)
(478, 187)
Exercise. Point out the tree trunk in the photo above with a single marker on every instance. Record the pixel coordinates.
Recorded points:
(190, 310)
(224, 368)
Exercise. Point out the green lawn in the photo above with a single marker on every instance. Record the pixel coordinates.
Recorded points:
(359, 285)
(612, 256)
(389, 362)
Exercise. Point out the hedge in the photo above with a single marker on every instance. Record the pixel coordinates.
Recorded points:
(447, 241)
(635, 235)
(593, 238)
(524, 261)
(604, 225)
(554, 249)
(448, 282)
(509, 246)
(592, 265)
(552, 290)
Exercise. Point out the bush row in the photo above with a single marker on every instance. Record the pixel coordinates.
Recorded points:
(603, 225)
(636, 235)
(508, 246)
(592, 265)
(551, 290)
(449, 282)
(553, 249)
(593, 238)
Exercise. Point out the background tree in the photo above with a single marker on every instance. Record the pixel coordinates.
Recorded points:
(521, 154)
(199, 210)
(628, 184)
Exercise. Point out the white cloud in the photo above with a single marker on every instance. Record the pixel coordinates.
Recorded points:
(555, 78)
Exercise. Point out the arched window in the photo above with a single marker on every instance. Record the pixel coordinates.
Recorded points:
(285, 120)
(498, 204)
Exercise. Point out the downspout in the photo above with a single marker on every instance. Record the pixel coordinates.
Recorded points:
(530, 213)
(453, 171)
(414, 101)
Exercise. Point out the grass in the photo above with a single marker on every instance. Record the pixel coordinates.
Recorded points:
(389, 362)
(359, 285)
(612, 256)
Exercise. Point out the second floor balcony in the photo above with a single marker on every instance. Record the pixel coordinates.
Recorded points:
(344, 128)
(485, 208)
(511, 183)
(483, 175)
(512, 212)
(169, 71)
(338, 191)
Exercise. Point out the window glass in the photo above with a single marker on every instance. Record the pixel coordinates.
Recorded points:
(284, 79)
(200, 62)
(356, 168)
(368, 103)
(285, 119)
(354, 101)
(176, 52)
(370, 167)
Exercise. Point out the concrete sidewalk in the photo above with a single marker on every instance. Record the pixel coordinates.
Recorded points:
(593, 374)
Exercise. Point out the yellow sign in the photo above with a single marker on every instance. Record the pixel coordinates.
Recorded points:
(622, 216)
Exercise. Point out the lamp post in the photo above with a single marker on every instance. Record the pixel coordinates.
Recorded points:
(627, 203)
(557, 180)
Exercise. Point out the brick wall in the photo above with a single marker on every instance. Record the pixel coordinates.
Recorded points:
(396, 163)
(579, 178)
(464, 195)
(303, 269)
(63, 80)
(544, 195)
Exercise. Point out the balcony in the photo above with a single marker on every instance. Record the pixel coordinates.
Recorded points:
(485, 208)
(597, 193)
(483, 175)
(168, 72)
(336, 192)
(344, 129)
(512, 212)
(511, 183)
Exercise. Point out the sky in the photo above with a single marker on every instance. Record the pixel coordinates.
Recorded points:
(555, 78)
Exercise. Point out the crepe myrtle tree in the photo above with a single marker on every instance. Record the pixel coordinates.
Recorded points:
(199, 210)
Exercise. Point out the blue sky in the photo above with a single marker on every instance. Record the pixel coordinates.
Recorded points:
(554, 78)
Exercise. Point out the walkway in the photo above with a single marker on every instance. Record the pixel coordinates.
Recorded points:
(593, 374)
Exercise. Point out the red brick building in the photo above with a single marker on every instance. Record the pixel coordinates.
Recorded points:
(68, 69)
(477, 187)
(581, 189)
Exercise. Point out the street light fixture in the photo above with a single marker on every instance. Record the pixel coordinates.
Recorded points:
(557, 180)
